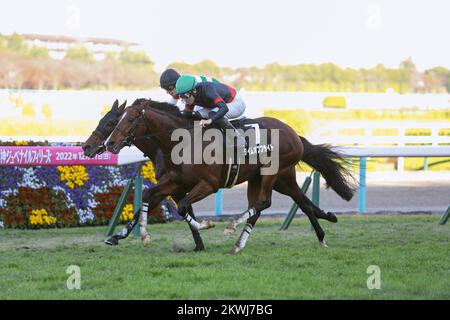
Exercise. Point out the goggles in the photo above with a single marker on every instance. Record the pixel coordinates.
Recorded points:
(186, 95)
(169, 88)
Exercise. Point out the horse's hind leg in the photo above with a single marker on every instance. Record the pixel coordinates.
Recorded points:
(288, 186)
(284, 185)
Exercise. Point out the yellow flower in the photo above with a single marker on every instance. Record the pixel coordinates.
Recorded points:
(41, 217)
(148, 172)
(20, 143)
(127, 213)
(74, 176)
(35, 220)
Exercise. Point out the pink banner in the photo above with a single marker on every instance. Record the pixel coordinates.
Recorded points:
(52, 156)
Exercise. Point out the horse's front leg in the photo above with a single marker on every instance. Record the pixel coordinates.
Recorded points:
(263, 202)
(200, 191)
(252, 196)
(125, 232)
(146, 199)
(232, 226)
(155, 196)
(199, 246)
(145, 236)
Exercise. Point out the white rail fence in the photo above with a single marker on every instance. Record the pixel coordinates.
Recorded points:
(364, 153)
(402, 151)
(430, 133)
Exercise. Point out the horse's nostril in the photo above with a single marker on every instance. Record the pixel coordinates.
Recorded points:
(110, 143)
(85, 147)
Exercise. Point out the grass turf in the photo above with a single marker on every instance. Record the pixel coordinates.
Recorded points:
(412, 251)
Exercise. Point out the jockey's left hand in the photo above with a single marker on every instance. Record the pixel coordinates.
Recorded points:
(205, 122)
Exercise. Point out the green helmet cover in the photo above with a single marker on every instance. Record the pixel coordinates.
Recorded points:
(185, 84)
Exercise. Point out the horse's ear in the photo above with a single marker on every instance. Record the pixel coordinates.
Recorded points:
(116, 104)
(123, 105)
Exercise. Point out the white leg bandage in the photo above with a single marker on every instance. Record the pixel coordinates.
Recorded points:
(242, 241)
(194, 224)
(231, 228)
(143, 217)
(143, 220)
(245, 215)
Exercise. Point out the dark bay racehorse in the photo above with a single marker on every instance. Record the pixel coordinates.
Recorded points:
(95, 145)
(159, 120)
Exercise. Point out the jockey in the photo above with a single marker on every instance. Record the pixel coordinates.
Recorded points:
(168, 80)
(220, 98)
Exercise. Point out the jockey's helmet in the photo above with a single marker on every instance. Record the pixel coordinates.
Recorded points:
(168, 78)
(185, 84)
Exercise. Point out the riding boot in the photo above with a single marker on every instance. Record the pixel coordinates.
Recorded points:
(225, 124)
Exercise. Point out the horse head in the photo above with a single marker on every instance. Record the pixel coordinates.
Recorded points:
(95, 143)
(125, 131)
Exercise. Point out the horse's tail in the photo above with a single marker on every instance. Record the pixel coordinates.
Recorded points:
(330, 164)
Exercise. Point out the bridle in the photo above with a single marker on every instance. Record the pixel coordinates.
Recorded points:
(130, 137)
(102, 136)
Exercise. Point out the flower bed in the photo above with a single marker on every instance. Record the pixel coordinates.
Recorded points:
(67, 196)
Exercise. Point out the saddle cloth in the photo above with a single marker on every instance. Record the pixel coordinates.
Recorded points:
(234, 163)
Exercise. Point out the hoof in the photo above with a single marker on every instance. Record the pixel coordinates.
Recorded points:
(206, 224)
(113, 241)
(178, 248)
(229, 230)
(199, 248)
(323, 244)
(235, 251)
(145, 240)
(332, 217)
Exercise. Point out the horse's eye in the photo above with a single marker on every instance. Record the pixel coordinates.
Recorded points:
(130, 120)
(110, 124)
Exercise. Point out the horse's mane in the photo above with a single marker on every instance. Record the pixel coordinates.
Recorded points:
(162, 106)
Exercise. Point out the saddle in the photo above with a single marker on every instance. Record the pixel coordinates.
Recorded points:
(255, 148)
(246, 124)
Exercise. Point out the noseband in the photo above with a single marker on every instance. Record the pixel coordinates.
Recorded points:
(101, 135)
(101, 147)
